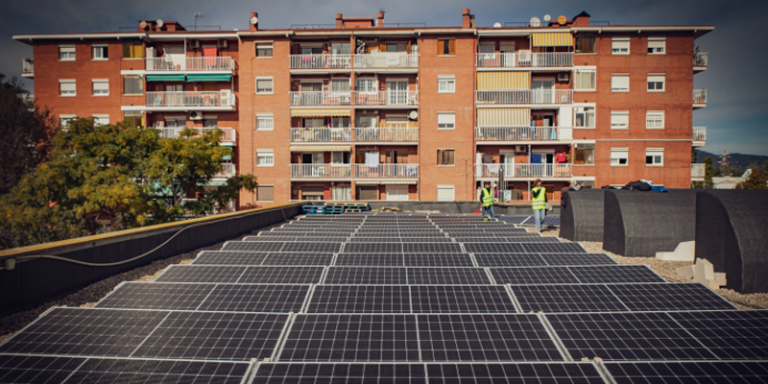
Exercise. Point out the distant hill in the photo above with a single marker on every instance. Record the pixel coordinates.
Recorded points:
(734, 159)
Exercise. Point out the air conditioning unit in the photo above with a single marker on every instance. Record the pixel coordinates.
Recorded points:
(223, 44)
(564, 76)
(196, 115)
(521, 149)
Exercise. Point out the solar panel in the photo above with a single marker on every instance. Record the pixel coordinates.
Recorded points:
(668, 297)
(352, 337)
(616, 274)
(689, 372)
(440, 275)
(626, 337)
(566, 259)
(319, 373)
(566, 298)
(366, 275)
(156, 296)
(485, 337)
(360, 299)
(255, 298)
(533, 275)
(298, 259)
(730, 335)
(529, 373)
(437, 260)
(201, 274)
(509, 260)
(461, 299)
(229, 258)
(282, 275)
(214, 336)
(370, 260)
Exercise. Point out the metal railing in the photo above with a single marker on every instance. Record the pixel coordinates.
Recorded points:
(321, 171)
(701, 59)
(520, 133)
(227, 171)
(397, 171)
(354, 134)
(699, 133)
(228, 135)
(27, 67)
(528, 59)
(387, 60)
(525, 96)
(526, 170)
(354, 98)
(166, 63)
(698, 170)
(699, 96)
(190, 99)
(320, 61)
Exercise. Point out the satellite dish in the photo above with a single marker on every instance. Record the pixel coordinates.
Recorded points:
(535, 22)
(143, 24)
(413, 115)
(547, 17)
(159, 23)
(497, 25)
(254, 20)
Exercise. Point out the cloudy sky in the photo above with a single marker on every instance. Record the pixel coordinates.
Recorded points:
(736, 116)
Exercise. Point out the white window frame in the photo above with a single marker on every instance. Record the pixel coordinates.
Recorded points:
(99, 47)
(265, 157)
(446, 83)
(654, 119)
(617, 154)
(67, 52)
(263, 45)
(450, 187)
(67, 81)
(654, 153)
(657, 45)
(265, 117)
(256, 84)
(449, 121)
(619, 119)
(446, 165)
(583, 110)
(371, 85)
(93, 87)
(616, 76)
(656, 78)
(65, 121)
(620, 46)
(100, 119)
(582, 72)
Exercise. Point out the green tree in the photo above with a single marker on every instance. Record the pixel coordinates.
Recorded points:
(116, 174)
(757, 179)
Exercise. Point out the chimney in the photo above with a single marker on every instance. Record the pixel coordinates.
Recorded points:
(339, 21)
(380, 19)
(465, 19)
(251, 25)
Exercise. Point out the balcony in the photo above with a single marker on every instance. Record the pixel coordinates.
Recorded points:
(698, 171)
(345, 135)
(354, 171)
(227, 171)
(321, 61)
(700, 61)
(699, 98)
(387, 60)
(27, 68)
(699, 136)
(525, 171)
(525, 96)
(372, 61)
(191, 64)
(525, 60)
(190, 100)
(383, 98)
(523, 133)
(228, 135)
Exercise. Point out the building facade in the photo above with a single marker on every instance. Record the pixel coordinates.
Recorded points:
(366, 110)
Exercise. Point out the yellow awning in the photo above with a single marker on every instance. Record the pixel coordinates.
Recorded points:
(552, 39)
(320, 112)
(321, 148)
(503, 117)
(503, 80)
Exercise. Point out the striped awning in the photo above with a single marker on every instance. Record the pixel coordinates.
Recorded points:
(552, 39)
(504, 117)
(321, 148)
(320, 112)
(503, 80)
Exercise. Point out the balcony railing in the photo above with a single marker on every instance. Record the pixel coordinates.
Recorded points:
(228, 135)
(373, 60)
(190, 99)
(699, 133)
(321, 61)
(355, 171)
(354, 134)
(512, 60)
(698, 170)
(354, 98)
(525, 96)
(700, 96)
(217, 63)
(227, 171)
(522, 133)
(527, 170)
(27, 67)
(701, 59)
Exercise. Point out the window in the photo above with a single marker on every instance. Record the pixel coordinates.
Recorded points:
(446, 193)
(66, 120)
(100, 120)
(654, 156)
(585, 117)
(620, 46)
(67, 88)
(654, 120)
(133, 118)
(620, 83)
(446, 47)
(132, 85)
(619, 156)
(264, 85)
(133, 50)
(619, 119)
(584, 154)
(264, 50)
(265, 122)
(656, 83)
(585, 80)
(100, 87)
(66, 53)
(265, 157)
(445, 156)
(99, 52)
(585, 43)
(366, 85)
(446, 120)
(657, 46)
(340, 86)
(265, 193)
(446, 84)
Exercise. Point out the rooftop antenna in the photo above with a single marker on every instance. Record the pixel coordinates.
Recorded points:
(198, 15)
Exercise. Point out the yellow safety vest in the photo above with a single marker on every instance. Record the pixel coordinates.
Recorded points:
(540, 202)
(487, 197)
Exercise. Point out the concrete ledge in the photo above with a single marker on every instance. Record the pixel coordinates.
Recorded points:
(583, 216)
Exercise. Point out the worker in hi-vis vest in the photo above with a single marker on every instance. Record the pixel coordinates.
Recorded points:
(486, 200)
(539, 197)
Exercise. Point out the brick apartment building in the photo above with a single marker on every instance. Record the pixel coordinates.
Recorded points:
(366, 110)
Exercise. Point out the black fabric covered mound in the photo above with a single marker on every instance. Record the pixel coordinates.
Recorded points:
(639, 224)
(582, 218)
(732, 233)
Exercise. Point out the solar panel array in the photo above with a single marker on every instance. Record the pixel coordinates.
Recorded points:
(417, 298)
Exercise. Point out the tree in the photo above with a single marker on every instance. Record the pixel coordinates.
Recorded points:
(26, 133)
(757, 179)
(119, 175)
(708, 173)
